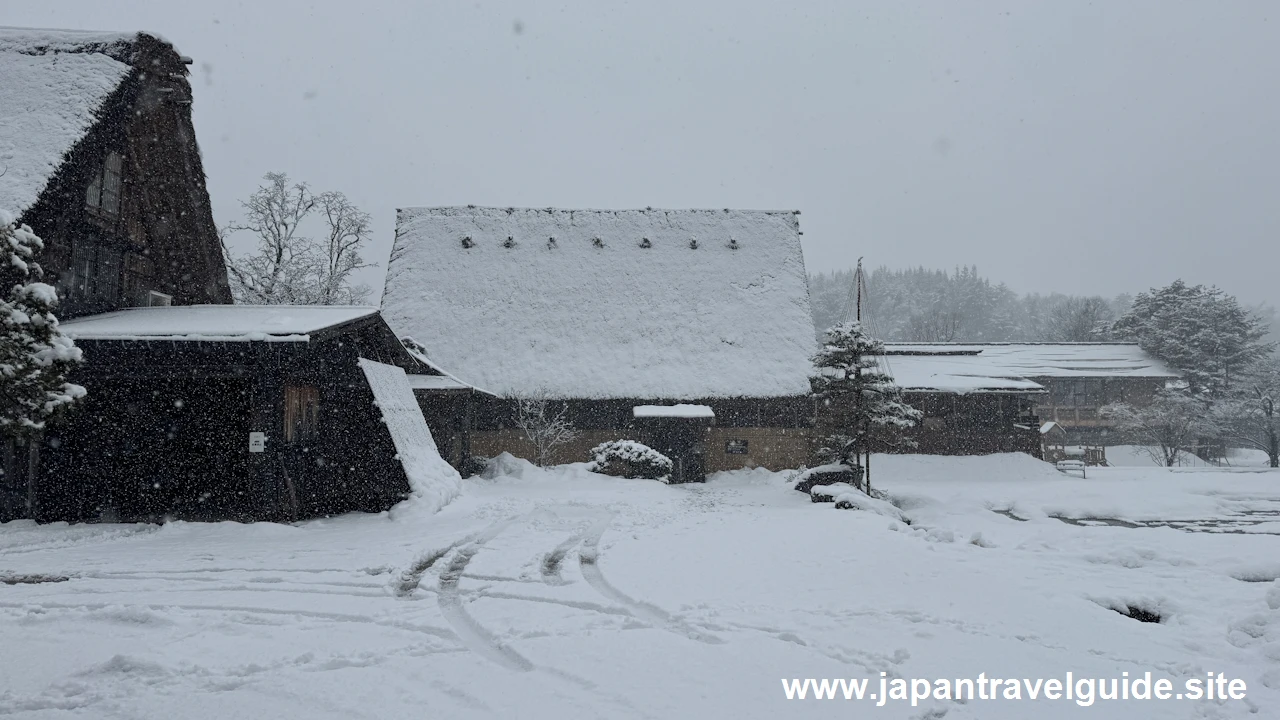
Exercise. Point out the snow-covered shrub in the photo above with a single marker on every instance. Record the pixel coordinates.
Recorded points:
(827, 475)
(473, 465)
(855, 500)
(629, 459)
(829, 493)
(34, 354)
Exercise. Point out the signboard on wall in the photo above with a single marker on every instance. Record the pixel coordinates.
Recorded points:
(735, 447)
(257, 442)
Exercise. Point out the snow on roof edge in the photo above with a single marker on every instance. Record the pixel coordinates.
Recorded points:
(678, 410)
(215, 323)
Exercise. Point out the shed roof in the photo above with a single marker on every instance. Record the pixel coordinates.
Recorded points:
(1012, 367)
(1048, 360)
(53, 84)
(958, 374)
(617, 318)
(436, 383)
(215, 323)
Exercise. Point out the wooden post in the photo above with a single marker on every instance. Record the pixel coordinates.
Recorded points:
(33, 470)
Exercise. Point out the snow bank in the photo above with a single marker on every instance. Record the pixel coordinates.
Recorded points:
(432, 481)
(512, 311)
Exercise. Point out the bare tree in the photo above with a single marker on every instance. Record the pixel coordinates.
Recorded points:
(544, 422)
(935, 324)
(349, 227)
(1167, 427)
(1079, 319)
(289, 267)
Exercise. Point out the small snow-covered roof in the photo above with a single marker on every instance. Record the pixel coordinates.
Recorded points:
(436, 382)
(619, 305)
(959, 374)
(53, 84)
(1052, 428)
(1011, 367)
(215, 323)
(674, 411)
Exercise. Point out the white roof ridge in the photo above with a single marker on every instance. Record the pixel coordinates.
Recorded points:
(550, 209)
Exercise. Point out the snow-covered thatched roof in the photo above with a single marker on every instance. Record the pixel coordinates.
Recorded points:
(606, 303)
(53, 84)
(1012, 367)
(215, 323)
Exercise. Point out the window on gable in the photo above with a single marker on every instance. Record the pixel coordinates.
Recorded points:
(104, 188)
(93, 195)
(111, 183)
(95, 272)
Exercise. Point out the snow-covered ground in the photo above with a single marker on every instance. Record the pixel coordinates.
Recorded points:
(563, 594)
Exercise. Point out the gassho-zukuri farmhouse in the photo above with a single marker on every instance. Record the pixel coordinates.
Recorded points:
(618, 314)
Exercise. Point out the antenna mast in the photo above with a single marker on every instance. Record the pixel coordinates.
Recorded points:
(857, 288)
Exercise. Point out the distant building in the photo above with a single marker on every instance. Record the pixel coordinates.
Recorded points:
(981, 397)
(608, 311)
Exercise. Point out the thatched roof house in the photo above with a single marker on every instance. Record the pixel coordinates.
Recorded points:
(98, 155)
(610, 309)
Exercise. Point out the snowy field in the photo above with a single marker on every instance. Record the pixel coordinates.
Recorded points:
(563, 594)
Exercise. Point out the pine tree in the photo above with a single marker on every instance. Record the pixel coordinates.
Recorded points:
(856, 396)
(1201, 332)
(34, 354)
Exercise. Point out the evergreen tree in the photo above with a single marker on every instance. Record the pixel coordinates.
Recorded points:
(34, 354)
(1201, 332)
(856, 395)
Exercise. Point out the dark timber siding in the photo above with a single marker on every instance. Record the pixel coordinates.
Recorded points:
(164, 431)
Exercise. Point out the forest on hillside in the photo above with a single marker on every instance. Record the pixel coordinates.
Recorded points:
(927, 305)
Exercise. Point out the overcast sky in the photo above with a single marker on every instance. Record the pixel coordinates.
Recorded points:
(1088, 147)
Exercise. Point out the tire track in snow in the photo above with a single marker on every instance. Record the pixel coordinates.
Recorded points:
(554, 560)
(470, 632)
(441, 633)
(589, 564)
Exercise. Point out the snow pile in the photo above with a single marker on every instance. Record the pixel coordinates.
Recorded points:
(432, 481)
(627, 458)
(52, 86)
(597, 314)
(851, 499)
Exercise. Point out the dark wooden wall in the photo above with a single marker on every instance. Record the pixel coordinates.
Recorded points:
(164, 433)
(494, 413)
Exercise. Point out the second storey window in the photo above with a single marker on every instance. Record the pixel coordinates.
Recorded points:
(95, 272)
(104, 188)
